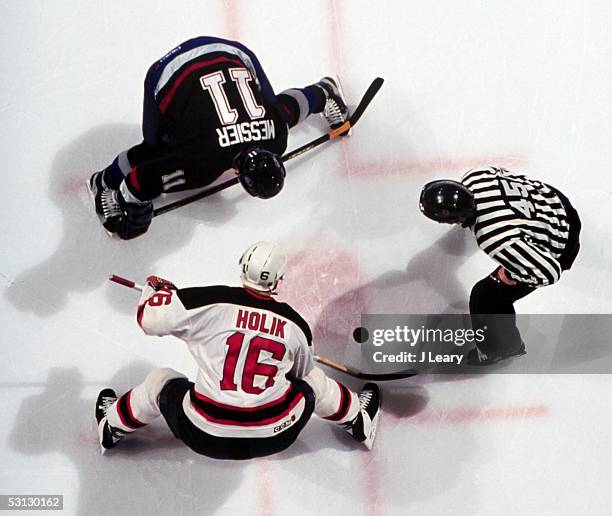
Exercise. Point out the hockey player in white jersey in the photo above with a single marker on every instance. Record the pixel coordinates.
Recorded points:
(528, 227)
(256, 385)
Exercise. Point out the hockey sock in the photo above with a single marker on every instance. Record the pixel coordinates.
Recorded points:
(299, 103)
(140, 406)
(113, 174)
(121, 414)
(333, 400)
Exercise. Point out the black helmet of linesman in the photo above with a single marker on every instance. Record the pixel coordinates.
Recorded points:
(448, 202)
(261, 172)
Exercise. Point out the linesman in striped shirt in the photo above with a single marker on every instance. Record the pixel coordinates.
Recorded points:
(528, 227)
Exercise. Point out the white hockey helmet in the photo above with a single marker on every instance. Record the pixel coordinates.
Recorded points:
(262, 266)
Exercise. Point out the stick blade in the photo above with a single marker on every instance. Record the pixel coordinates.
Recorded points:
(368, 96)
(386, 377)
(370, 93)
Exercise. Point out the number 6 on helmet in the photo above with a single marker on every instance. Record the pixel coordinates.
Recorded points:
(262, 266)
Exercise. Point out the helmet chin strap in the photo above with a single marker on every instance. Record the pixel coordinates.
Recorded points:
(272, 291)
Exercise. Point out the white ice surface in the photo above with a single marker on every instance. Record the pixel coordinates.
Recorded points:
(522, 84)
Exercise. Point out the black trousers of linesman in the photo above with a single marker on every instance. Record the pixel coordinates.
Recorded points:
(492, 296)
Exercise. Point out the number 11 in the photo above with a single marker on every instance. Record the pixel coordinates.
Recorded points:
(213, 83)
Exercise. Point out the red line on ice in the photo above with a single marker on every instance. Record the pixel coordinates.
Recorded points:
(452, 167)
(231, 19)
(335, 33)
(370, 481)
(265, 504)
(463, 415)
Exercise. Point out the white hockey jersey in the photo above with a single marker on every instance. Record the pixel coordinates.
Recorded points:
(244, 345)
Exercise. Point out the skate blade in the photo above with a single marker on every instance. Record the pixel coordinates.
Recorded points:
(100, 436)
(93, 201)
(369, 441)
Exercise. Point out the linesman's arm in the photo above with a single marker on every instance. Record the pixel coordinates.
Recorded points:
(528, 263)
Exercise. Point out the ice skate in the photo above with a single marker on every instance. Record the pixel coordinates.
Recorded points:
(105, 202)
(107, 435)
(336, 110)
(363, 427)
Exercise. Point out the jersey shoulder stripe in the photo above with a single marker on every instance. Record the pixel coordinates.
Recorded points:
(188, 53)
(197, 297)
(166, 94)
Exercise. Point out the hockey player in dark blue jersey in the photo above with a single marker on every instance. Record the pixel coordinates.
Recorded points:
(208, 107)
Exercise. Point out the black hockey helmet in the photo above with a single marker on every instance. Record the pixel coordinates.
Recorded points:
(261, 172)
(449, 202)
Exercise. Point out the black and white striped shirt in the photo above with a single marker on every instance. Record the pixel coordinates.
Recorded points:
(520, 223)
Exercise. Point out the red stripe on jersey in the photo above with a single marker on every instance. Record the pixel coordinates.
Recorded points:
(163, 105)
(244, 409)
(258, 296)
(261, 422)
(140, 315)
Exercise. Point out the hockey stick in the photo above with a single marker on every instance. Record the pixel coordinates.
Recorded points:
(370, 93)
(125, 282)
(322, 360)
(334, 133)
(381, 377)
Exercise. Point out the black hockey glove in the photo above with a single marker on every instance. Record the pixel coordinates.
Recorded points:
(135, 218)
(158, 283)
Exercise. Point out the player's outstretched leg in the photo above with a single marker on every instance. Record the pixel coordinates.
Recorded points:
(324, 97)
(363, 427)
(138, 407)
(358, 414)
(107, 435)
(335, 110)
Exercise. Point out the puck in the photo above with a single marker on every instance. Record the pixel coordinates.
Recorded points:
(361, 335)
